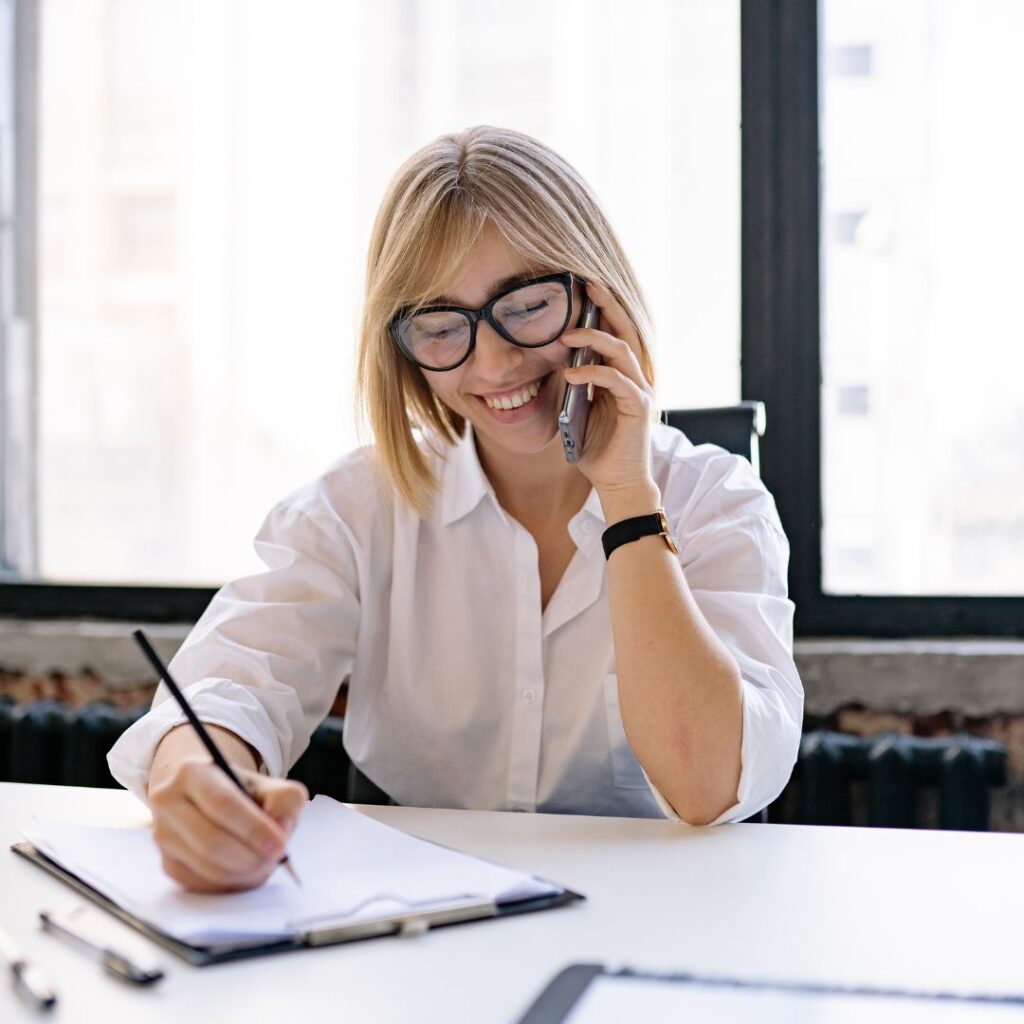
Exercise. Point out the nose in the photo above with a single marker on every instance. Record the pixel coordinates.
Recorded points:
(493, 356)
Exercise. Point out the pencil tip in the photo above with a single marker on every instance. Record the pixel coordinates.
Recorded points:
(287, 865)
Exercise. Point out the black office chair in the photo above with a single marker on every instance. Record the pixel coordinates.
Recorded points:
(736, 428)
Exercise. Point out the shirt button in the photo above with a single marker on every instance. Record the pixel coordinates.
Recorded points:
(529, 695)
(587, 527)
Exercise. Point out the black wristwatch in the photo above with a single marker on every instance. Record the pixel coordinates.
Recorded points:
(639, 526)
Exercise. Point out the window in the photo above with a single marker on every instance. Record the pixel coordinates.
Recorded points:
(924, 493)
(207, 178)
(850, 60)
(892, 364)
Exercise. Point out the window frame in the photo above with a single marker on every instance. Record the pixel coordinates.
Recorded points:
(18, 288)
(781, 330)
(780, 324)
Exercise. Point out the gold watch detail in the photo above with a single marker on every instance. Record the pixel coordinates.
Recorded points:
(666, 532)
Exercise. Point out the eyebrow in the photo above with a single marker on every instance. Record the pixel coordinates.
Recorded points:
(496, 289)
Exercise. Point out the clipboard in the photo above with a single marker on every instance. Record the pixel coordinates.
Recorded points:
(564, 992)
(407, 923)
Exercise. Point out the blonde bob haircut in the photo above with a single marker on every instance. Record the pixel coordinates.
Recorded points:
(433, 212)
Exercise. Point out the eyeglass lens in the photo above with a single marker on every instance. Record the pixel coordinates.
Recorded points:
(532, 315)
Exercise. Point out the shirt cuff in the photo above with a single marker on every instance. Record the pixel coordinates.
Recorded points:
(215, 702)
(768, 753)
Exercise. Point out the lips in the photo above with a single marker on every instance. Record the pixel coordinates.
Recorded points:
(513, 405)
(515, 398)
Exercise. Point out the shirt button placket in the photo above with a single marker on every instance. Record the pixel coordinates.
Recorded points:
(527, 714)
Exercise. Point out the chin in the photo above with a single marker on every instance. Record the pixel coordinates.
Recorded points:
(531, 442)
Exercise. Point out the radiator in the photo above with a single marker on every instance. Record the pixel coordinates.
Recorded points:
(839, 779)
(887, 780)
(49, 742)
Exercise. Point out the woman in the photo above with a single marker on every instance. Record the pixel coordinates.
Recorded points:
(456, 573)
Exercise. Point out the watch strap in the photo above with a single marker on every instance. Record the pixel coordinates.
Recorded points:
(628, 530)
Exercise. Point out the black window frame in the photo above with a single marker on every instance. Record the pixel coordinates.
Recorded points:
(781, 337)
(780, 353)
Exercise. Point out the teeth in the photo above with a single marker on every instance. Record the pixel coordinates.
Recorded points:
(514, 401)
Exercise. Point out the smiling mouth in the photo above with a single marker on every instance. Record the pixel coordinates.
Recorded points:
(515, 399)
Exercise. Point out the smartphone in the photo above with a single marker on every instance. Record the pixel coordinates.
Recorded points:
(572, 420)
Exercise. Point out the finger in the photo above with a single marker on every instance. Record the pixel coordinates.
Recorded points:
(614, 314)
(215, 877)
(283, 799)
(614, 351)
(173, 839)
(175, 849)
(629, 398)
(221, 801)
(216, 853)
(186, 875)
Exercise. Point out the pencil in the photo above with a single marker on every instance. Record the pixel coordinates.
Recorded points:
(200, 729)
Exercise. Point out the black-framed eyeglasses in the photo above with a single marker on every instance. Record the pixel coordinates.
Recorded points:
(529, 315)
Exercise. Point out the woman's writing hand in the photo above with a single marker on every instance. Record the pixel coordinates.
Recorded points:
(211, 836)
(616, 449)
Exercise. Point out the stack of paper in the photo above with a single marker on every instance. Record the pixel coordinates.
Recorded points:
(352, 869)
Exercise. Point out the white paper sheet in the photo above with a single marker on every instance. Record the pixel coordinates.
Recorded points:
(611, 1000)
(352, 868)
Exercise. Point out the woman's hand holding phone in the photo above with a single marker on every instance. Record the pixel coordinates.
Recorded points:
(616, 455)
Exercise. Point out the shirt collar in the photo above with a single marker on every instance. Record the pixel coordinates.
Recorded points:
(463, 482)
(592, 506)
(465, 485)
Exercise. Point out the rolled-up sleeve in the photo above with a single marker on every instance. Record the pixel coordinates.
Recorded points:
(267, 656)
(735, 556)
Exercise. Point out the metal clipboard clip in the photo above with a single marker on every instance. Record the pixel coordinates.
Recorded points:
(408, 923)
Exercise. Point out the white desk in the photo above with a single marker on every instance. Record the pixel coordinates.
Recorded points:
(928, 910)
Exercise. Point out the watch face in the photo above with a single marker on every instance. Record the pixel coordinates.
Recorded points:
(666, 532)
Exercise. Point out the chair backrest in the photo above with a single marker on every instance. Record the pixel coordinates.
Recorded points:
(736, 428)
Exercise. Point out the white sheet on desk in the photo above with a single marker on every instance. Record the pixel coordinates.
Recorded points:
(343, 858)
(610, 1000)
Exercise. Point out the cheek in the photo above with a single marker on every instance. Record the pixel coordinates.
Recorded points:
(443, 384)
(557, 355)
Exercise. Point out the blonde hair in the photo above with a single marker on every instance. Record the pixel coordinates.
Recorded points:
(432, 214)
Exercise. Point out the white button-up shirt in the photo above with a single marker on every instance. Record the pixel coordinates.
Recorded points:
(463, 692)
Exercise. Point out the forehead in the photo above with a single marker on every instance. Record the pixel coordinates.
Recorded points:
(490, 267)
